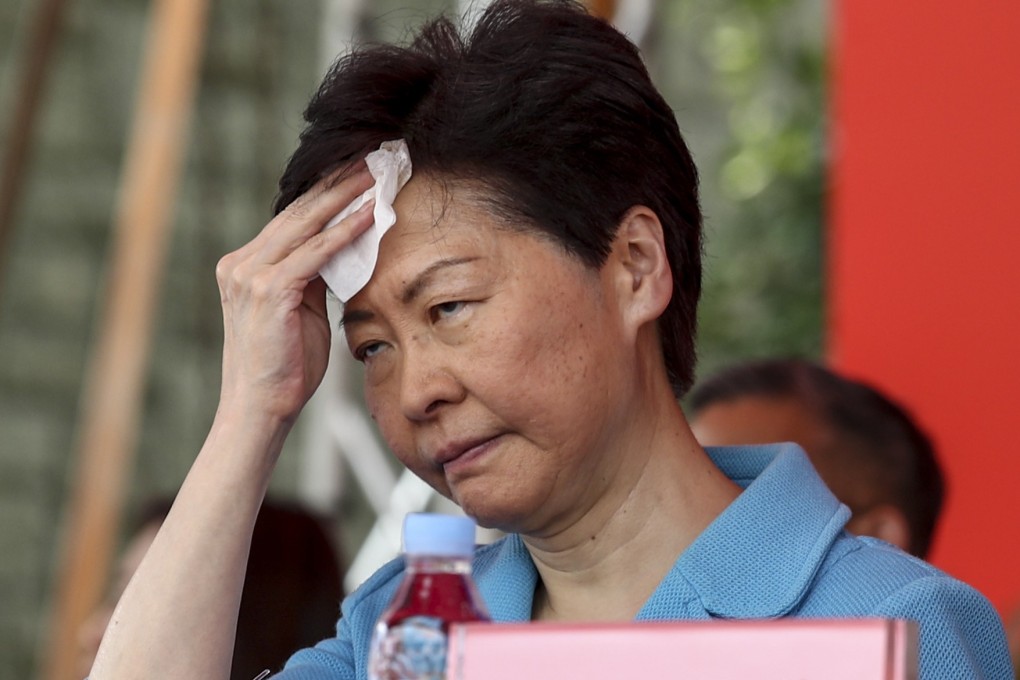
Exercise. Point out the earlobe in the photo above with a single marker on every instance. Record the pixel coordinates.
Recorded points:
(645, 280)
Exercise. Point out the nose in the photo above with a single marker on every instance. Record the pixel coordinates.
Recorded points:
(428, 380)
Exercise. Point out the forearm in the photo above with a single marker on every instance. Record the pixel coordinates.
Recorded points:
(177, 617)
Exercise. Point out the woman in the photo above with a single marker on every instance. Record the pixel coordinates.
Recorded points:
(526, 332)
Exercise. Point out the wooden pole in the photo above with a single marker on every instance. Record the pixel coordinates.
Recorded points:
(13, 167)
(112, 397)
(604, 9)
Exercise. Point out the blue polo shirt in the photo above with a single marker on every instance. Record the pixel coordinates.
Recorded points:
(778, 550)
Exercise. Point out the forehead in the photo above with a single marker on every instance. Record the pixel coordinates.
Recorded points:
(431, 212)
(754, 419)
(759, 420)
(441, 221)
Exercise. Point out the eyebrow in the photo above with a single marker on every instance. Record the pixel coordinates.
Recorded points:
(422, 281)
(411, 291)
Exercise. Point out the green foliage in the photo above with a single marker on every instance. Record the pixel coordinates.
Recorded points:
(760, 120)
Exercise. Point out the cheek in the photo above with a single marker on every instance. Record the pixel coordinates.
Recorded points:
(545, 366)
(383, 409)
(573, 339)
(398, 434)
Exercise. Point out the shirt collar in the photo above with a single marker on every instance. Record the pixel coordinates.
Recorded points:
(758, 558)
(506, 578)
(755, 560)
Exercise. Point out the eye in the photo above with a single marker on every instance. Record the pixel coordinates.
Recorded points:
(368, 350)
(447, 309)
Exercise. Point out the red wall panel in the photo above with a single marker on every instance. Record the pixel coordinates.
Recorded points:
(924, 242)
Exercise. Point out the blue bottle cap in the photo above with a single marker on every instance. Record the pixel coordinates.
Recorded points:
(439, 535)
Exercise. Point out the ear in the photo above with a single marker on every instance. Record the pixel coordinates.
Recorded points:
(886, 522)
(640, 269)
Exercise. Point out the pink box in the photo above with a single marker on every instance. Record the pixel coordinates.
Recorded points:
(786, 649)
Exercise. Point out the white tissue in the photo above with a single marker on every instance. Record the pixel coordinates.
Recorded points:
(352, 267)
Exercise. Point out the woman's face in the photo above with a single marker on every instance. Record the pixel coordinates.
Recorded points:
(493, 361)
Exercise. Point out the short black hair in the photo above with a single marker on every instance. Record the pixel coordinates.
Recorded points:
(550, 110)
(873, 424)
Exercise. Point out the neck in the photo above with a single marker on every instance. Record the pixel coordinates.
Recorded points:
(621, 547)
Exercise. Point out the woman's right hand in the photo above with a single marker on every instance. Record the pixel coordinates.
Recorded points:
(276, 332)
(177, 616)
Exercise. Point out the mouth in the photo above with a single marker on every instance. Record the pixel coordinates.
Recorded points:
(459, 454)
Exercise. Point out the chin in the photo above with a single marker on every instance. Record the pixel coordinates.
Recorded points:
(491, 511)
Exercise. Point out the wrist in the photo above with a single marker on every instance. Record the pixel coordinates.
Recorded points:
(247, 438)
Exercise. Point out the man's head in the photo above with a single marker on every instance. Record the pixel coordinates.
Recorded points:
(549, 112)
(866, 448)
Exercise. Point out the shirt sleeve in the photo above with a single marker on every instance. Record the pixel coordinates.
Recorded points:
(961, 635)
(345, 656)
(331, 659)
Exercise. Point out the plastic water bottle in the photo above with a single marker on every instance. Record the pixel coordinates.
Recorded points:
(410, 638)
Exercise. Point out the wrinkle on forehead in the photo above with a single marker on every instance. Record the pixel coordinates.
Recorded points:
(431, 206)
(444, 192)
(436, 219)
(443, 214)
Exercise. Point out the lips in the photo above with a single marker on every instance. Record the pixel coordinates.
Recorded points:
(463, 450)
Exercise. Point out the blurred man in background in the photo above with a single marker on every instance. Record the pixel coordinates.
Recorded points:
(292, 588)
(866, 448)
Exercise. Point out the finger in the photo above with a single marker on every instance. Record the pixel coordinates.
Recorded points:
(315, 298)
(309, 213)
(305, 261)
